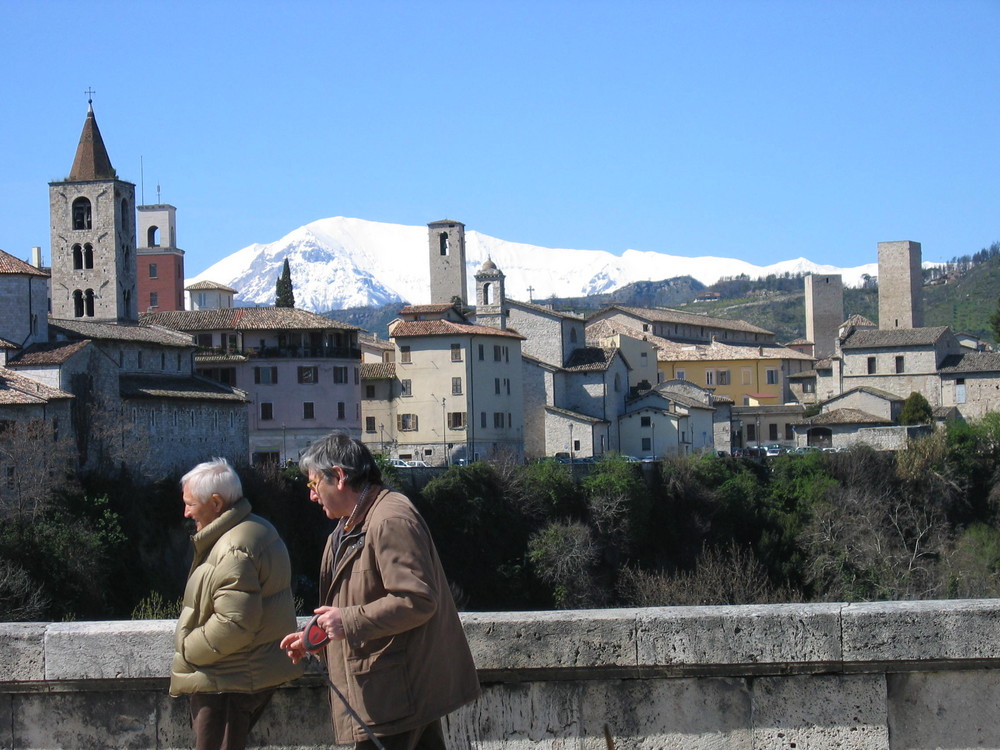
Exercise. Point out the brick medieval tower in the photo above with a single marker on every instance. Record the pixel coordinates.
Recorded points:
(900, 285)
(92, 216)
(446, 241)
(160, 263)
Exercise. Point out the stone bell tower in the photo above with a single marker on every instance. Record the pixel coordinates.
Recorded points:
(446, 240)
(92, 216)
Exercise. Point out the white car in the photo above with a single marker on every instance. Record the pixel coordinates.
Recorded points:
(398, 463)
(417, 464)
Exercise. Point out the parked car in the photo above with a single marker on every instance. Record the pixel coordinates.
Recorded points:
(802, 449)
(398, 463)
(417, 464)
(775, 449)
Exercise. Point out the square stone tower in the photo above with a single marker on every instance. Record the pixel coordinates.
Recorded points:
(92, 215)
(900, 285)
(824, 312)
(446, 240)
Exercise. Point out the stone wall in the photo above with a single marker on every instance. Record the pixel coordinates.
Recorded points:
(862, 676)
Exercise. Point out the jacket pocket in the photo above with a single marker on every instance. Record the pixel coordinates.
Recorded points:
(384, 686)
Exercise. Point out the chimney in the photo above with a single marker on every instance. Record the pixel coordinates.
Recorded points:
(36, 257)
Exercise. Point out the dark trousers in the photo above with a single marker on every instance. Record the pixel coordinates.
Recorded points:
(222, 721)
(427, 737)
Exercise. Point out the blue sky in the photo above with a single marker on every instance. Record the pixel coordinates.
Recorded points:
(763, 130)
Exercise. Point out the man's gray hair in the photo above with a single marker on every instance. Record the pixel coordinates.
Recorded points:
(215, 477)
(338, 449)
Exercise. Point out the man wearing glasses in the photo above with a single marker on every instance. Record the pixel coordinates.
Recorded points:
(397, 650)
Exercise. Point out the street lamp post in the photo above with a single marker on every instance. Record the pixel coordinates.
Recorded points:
(444, 433)
(381, 430)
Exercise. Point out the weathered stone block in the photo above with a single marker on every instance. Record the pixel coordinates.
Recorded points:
(921, 631)
(734, 637)
(533, 641)
(127, 649)
(85, 721)
(22, 651)
(846, 712)
(944, 709)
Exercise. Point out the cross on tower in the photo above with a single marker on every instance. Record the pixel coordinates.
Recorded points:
(530, 290)
(90, 95)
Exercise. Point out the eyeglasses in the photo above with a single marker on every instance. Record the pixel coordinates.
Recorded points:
(315, 483)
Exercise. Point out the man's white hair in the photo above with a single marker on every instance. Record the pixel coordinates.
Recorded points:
(215, 477)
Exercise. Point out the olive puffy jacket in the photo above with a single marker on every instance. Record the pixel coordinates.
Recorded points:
(237, 608)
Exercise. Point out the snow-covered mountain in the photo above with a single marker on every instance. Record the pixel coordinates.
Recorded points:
(341, 262)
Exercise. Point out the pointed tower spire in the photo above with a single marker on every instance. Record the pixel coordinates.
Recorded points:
(92, 161)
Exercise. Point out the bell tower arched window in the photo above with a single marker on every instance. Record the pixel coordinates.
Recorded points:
(88, 256)
(77, 304)
(88, 302)
(443, 243)
(153, 237)
(81, 214)
(77, 257)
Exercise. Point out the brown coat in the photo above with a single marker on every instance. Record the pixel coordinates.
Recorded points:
(405, 661)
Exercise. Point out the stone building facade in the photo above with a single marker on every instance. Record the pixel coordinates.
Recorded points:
(900, 285)
(824, 300)
(160, 263)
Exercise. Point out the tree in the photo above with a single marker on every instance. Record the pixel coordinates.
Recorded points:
(995, 322)
(915, 410)
(284, 296)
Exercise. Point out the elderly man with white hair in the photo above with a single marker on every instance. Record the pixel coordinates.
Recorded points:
(237, 606)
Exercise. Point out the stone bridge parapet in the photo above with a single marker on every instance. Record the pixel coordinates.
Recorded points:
(887, 675)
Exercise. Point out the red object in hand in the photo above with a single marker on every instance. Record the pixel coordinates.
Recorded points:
(313, 636)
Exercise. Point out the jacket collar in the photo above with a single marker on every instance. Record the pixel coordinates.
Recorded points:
(205, 539)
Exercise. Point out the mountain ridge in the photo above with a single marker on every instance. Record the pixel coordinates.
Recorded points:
(341, 262)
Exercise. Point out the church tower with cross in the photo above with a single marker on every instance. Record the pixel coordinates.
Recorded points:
(92, 216)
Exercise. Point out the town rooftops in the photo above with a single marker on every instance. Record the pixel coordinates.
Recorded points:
(15, 266)
(544, 309)
(205, 286)
(48, 354)
(676, 351)
(411, 328)
(575, 415)
(142, 333)
(893, 338)
(378, 370)
(957, 364)
(16, 389)
(858, 321)
(243, 319)
(669, 315)
(166, 386)
(845, 417)
(590, 359)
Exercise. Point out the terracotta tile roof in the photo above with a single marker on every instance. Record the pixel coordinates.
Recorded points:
(200, 286)
(893, 337)
(669, 315)
(48, 354)
(801, 375)
(378, 370)
(590, 359)
(798, 342)
(845, 417)
(5, 344)
(11, 265)
(80, 329)
(409, 328)
(166, 386)
(971, 362)
(16, 389)
(858, 321)
(369, 340)
(243, 319)
(872, 391)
